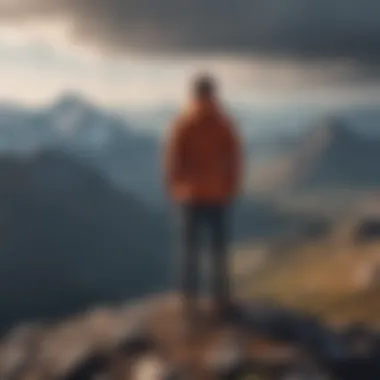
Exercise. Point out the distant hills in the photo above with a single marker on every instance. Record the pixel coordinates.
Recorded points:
(330, 156)
(336, 156)
(69, 238)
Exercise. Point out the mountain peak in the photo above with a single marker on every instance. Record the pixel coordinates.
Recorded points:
(332, 130)
(71, 110)
(71, 100)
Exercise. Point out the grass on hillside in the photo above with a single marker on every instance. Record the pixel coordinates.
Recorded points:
(337, 281)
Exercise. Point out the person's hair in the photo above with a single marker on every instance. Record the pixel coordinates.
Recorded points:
(204, 86)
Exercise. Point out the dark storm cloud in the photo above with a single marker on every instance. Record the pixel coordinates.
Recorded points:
(320, 28)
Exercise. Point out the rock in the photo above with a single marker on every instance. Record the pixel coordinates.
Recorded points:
(94, 365)
(354, 369)
(360, 340)
(368, 230)
(259, 338)
(136, 343)
(226, 358)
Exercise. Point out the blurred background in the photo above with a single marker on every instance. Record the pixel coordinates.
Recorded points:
(88, 90)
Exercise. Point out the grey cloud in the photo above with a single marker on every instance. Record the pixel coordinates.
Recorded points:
(300, 28)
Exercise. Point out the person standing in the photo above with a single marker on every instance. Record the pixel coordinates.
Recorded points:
(203, 166)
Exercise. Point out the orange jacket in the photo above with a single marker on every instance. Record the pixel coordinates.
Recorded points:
(203, 156)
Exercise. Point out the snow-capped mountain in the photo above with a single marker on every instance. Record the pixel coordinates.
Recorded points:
(95, 136)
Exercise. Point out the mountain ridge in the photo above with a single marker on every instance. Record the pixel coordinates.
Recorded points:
(65, 225)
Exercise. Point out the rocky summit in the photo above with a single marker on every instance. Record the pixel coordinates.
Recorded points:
(153, 340)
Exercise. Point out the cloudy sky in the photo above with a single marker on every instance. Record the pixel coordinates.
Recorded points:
(139, 52)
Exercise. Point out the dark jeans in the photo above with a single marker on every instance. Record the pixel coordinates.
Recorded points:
(212, 219)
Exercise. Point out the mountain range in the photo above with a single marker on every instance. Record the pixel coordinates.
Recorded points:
(127, 152)
(94, 136)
